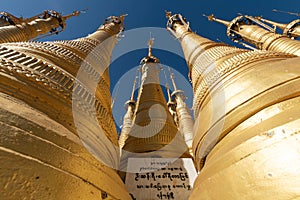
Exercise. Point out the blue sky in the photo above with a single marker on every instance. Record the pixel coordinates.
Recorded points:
(151, 13)
(144, 14)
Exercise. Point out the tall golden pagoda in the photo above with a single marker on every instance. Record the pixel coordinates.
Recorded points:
(153, 132)
(155, 137)
(247, 142)
(53, 97)
(251, 30)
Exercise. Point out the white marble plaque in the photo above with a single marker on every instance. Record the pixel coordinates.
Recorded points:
(160, 178)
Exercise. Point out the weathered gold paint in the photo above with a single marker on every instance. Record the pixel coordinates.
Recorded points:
(247, 113)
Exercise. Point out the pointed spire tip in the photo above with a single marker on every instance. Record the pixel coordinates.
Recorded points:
(150, 57)
(210, 17)
(150, 44)
(123, 16)
(168, 14)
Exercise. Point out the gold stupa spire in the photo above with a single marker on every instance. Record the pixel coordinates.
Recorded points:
(213, 18)
(55, 106)
(150, 44)
(21, 30)
(128, 117)
(240, 108)
(286, 12)
(251, 30)
(185, 119)
(291, 29)
(274, 24)
(171, 103)
(7, 18)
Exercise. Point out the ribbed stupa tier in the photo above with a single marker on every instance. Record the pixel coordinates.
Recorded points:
(248, 29)
(22, 30)
(153, 126)
(154, 132)
(247, 142)
(151, 129)
(55, 104)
